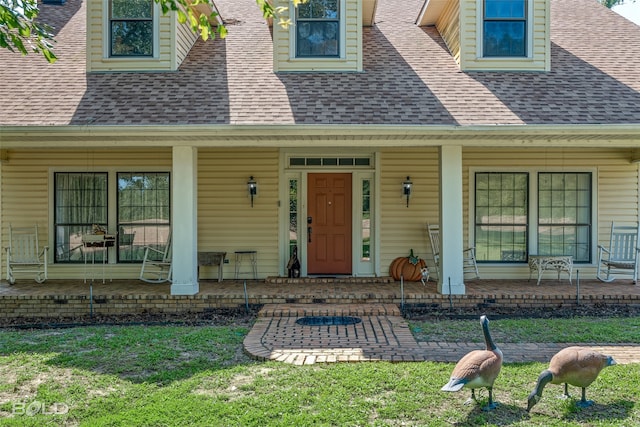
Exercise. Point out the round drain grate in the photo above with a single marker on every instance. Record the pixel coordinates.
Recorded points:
(328, 320)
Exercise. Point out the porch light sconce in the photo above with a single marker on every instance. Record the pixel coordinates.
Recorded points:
(406, 189)
(253, 188)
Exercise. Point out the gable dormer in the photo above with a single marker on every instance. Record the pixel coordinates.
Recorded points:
(134, 35)
(493, 35)
(324, 35)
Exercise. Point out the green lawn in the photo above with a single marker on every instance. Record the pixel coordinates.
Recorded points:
(199, 375)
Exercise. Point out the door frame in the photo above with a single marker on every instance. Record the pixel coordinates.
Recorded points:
(360, 267)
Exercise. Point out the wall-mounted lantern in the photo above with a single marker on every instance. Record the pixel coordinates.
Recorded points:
(406, 189)
(252, 186)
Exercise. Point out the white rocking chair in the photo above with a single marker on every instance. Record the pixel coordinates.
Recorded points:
(469, 266)
(622, 256)
(157, 264)
(24, 254)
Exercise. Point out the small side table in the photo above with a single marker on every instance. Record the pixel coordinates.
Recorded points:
(96, 242)
(252, 257)
(208, 259)
(559, 263)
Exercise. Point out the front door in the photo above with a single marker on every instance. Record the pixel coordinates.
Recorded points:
(329, 223)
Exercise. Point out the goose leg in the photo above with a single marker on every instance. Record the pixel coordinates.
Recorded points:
(492, 404)
(566, 392)
(584, 403)
(472, 398)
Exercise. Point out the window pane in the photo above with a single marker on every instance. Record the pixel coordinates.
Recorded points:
(143, 213)
(366, 220)
(504, 38)
(318, 9)
(564, 215)
(132, 38)
(317, 38)
(80, 201)
(501, 217)
(504, 8)
(127, 9)
(293, 215)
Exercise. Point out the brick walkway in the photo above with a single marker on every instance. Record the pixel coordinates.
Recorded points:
(383, 335)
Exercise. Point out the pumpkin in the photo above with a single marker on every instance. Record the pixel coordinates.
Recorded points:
(409, 267)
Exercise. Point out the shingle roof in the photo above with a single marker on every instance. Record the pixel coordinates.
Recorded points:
(409, 78)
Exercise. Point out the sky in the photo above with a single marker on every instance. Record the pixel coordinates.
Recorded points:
(629, 10)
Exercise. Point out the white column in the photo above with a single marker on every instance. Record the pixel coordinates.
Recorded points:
(451, 230)
(184, 220)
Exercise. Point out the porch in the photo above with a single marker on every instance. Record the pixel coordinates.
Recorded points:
(75, 299)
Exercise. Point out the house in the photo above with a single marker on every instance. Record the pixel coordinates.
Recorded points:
(516, 123)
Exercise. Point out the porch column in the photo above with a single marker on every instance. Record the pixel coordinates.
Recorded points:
(451, 230)
(184, 221)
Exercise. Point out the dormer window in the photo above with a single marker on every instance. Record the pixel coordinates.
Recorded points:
(131, 28)
(318, 29)
(505, 28)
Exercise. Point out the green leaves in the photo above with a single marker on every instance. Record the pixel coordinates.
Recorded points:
(20, 33)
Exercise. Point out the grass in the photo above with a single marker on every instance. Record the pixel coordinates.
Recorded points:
(556, 330)
(199, 376)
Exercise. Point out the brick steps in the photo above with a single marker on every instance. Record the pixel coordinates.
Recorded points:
(300, 310)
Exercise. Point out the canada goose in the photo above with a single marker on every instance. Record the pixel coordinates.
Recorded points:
(478, 368)
(578, 366)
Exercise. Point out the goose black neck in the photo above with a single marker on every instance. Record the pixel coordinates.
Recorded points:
(545, 377)
(487, 335)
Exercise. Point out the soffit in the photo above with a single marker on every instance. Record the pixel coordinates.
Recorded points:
(369, 12)
(430, 12)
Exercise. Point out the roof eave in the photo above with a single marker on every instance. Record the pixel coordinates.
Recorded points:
(619, 135)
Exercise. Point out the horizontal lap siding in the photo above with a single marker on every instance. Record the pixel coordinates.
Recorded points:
(402, 228)
(228, 223)
(617, 187)
(185, 38)
(95, 44)
(352, 60)
(471, 29)
(226, 220)
(25, 192)
(448, 26)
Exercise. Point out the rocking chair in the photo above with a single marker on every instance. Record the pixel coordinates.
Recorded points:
(157, 264)
(24, 254)
(622, 256)
(469, 267)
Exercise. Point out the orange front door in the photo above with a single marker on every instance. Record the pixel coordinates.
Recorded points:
(329, 223)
